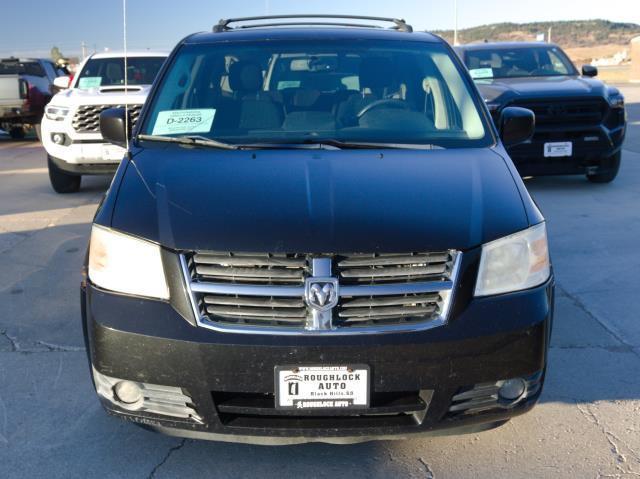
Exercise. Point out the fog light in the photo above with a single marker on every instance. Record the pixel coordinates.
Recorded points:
(128, 392)
(58, 138)
(512, 389)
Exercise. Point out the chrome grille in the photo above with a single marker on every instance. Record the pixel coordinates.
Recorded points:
(377, 268)
(266, 293)
(87, 117)
(251, 268)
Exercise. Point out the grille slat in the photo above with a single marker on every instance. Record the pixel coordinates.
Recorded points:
(258, 302)
(278, 314)
(361, 269)
(365, 314)
(373, 302)
(87, 117)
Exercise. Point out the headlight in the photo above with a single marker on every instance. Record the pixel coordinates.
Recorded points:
(515, 262)
(56, 113)
(616, 101)
(122, 263)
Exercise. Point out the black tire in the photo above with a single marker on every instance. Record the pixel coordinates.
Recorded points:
(611, 166)
(61, 181)
(16, 132)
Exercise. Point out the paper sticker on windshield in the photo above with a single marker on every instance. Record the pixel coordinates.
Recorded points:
(481, 73)
(173, 122)
(89, 82)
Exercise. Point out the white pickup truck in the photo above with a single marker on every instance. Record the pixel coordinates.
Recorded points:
(71, 124)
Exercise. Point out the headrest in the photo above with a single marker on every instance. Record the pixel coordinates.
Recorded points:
(245, 76)
(376, 72)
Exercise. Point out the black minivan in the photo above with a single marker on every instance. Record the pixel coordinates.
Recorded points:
(317, 235)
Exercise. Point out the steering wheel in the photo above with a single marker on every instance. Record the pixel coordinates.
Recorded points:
(388, 102)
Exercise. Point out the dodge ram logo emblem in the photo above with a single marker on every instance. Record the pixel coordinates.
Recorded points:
(321, 293)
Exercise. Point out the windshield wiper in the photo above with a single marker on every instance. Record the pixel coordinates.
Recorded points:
(344, 145)
(190, 140)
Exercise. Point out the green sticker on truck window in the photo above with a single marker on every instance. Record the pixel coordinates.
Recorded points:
(477, 73)
(173, 122)
(85, 83)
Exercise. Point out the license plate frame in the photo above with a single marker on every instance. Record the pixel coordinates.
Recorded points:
(112, 152)
(558, 149)
(352, 397)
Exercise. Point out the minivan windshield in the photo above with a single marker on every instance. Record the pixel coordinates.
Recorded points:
(289, 92)
(99, 72)
(505, 62)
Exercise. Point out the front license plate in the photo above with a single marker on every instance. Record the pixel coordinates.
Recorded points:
(322, 387)
(558, 148)
(112, 152)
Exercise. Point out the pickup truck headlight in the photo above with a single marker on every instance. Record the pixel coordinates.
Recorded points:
(57, 113)
(616, 101)
(515, 262)
(122, 263)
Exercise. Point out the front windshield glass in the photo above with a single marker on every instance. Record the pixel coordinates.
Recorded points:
(98, 72)
(306, 92)
(502, 62)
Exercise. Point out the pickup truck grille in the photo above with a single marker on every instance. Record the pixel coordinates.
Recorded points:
(87, 117)
(261, 292)
(587, 112)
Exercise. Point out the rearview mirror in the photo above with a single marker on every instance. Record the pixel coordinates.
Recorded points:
(61, 82)
(113, 126)
(589, 70)
(516, 125)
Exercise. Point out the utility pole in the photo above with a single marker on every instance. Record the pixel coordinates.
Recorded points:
(84, 50)
(549, 35)
(455, 22)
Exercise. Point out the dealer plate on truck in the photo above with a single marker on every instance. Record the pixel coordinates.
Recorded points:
(558, 148)
(322, 387)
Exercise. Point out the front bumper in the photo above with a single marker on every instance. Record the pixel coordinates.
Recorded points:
(229, 377)
(592, 146)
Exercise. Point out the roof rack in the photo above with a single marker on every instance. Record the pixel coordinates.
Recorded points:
(224, 24)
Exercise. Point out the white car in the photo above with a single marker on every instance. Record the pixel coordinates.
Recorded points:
(71, 124)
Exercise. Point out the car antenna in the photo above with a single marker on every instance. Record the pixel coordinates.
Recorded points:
(126, 104)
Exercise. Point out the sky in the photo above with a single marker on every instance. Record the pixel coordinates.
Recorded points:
(160, 24)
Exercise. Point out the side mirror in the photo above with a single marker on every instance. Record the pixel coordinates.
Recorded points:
(113, 126)
(589, 70)
(61, 82)
(516, 125)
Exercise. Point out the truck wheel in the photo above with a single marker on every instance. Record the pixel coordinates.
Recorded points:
(611, 166)
(61, 181)
(16, 132)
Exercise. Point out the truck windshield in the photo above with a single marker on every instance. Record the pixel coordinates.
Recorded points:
(302, 92)
(99, 72)
(518, 62)
(14, 67)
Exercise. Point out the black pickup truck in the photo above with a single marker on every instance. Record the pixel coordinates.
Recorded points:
(580, 121)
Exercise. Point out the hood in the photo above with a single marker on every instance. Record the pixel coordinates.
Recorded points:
(318, 201)
(506, 89)
(100, 96)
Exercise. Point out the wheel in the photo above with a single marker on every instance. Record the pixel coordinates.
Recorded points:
(610, 166)
(61, 181)
(16, 132)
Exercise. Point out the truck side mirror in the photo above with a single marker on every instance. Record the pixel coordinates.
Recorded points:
(113, 126)
(516, 125)
(61, 82)
(589, 70)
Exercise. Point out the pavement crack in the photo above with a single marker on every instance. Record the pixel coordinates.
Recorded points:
(171, 450)
(13, 341)
(60, 347)
(580, 305)
(428, 471)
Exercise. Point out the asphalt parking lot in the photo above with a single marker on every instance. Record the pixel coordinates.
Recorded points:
(586, 425)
